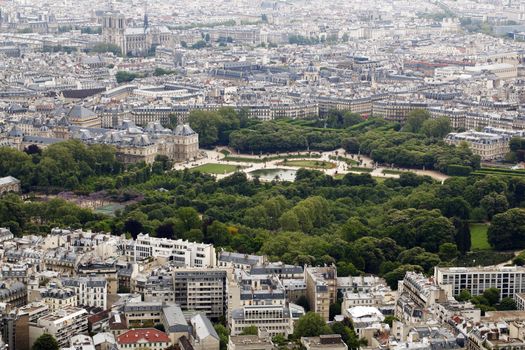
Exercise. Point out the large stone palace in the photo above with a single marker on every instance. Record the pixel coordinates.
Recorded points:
(132, 143)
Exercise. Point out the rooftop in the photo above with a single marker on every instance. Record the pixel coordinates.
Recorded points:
(147, 335)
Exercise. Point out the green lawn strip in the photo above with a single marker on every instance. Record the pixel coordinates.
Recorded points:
(316, 164)
(214, 168)
(346, 160)
(478, 236)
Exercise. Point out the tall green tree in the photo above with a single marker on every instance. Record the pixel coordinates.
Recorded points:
(462, 236)
(311, 324)
(438, 128)
(494, 203)
(45, 342)
(415, 120)
(507, 230)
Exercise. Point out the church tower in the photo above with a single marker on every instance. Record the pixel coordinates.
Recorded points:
(113, 27)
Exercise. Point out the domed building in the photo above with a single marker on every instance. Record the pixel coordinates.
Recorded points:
(311, 74)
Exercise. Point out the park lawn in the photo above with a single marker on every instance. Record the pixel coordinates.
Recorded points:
(315, 164)
(214, 168)
(478, 236)
(348, 161)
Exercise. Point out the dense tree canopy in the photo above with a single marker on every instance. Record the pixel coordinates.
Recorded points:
(507, 230)
(311, 324)
(45, 342)
(415, 120)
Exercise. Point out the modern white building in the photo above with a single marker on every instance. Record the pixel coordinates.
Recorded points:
(275, 319)
(510, 280)
(365, 319)
(183, 253)
(62, 324)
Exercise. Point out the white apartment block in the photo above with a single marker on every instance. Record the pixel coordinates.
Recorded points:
(361, 299)
(183, 253)
(90, 291)
(520, 301)
(510, 280)
(421, 290)
(275, 319)
(64, 323)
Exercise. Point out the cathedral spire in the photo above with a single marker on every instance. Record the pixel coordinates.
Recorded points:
(146, 21)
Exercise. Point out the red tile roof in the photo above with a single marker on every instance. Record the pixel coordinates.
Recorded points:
(148, 335)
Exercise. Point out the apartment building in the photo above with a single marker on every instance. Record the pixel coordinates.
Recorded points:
(275, 319)
(422, 290)
(396, 110)
(27, 314)
(58, 298)
(279, 269)
(361, 299)
(14, 294)
(90, 291)
(238, 260)
(202, 290)
(510, 280)
(15, 272)
(61, 324)
(358, 105)
(157, 288)
(360, 283)
(106, 271)
(520, 301)
(466, 310)
(321, 289)
(181, 252)
(138, 312)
